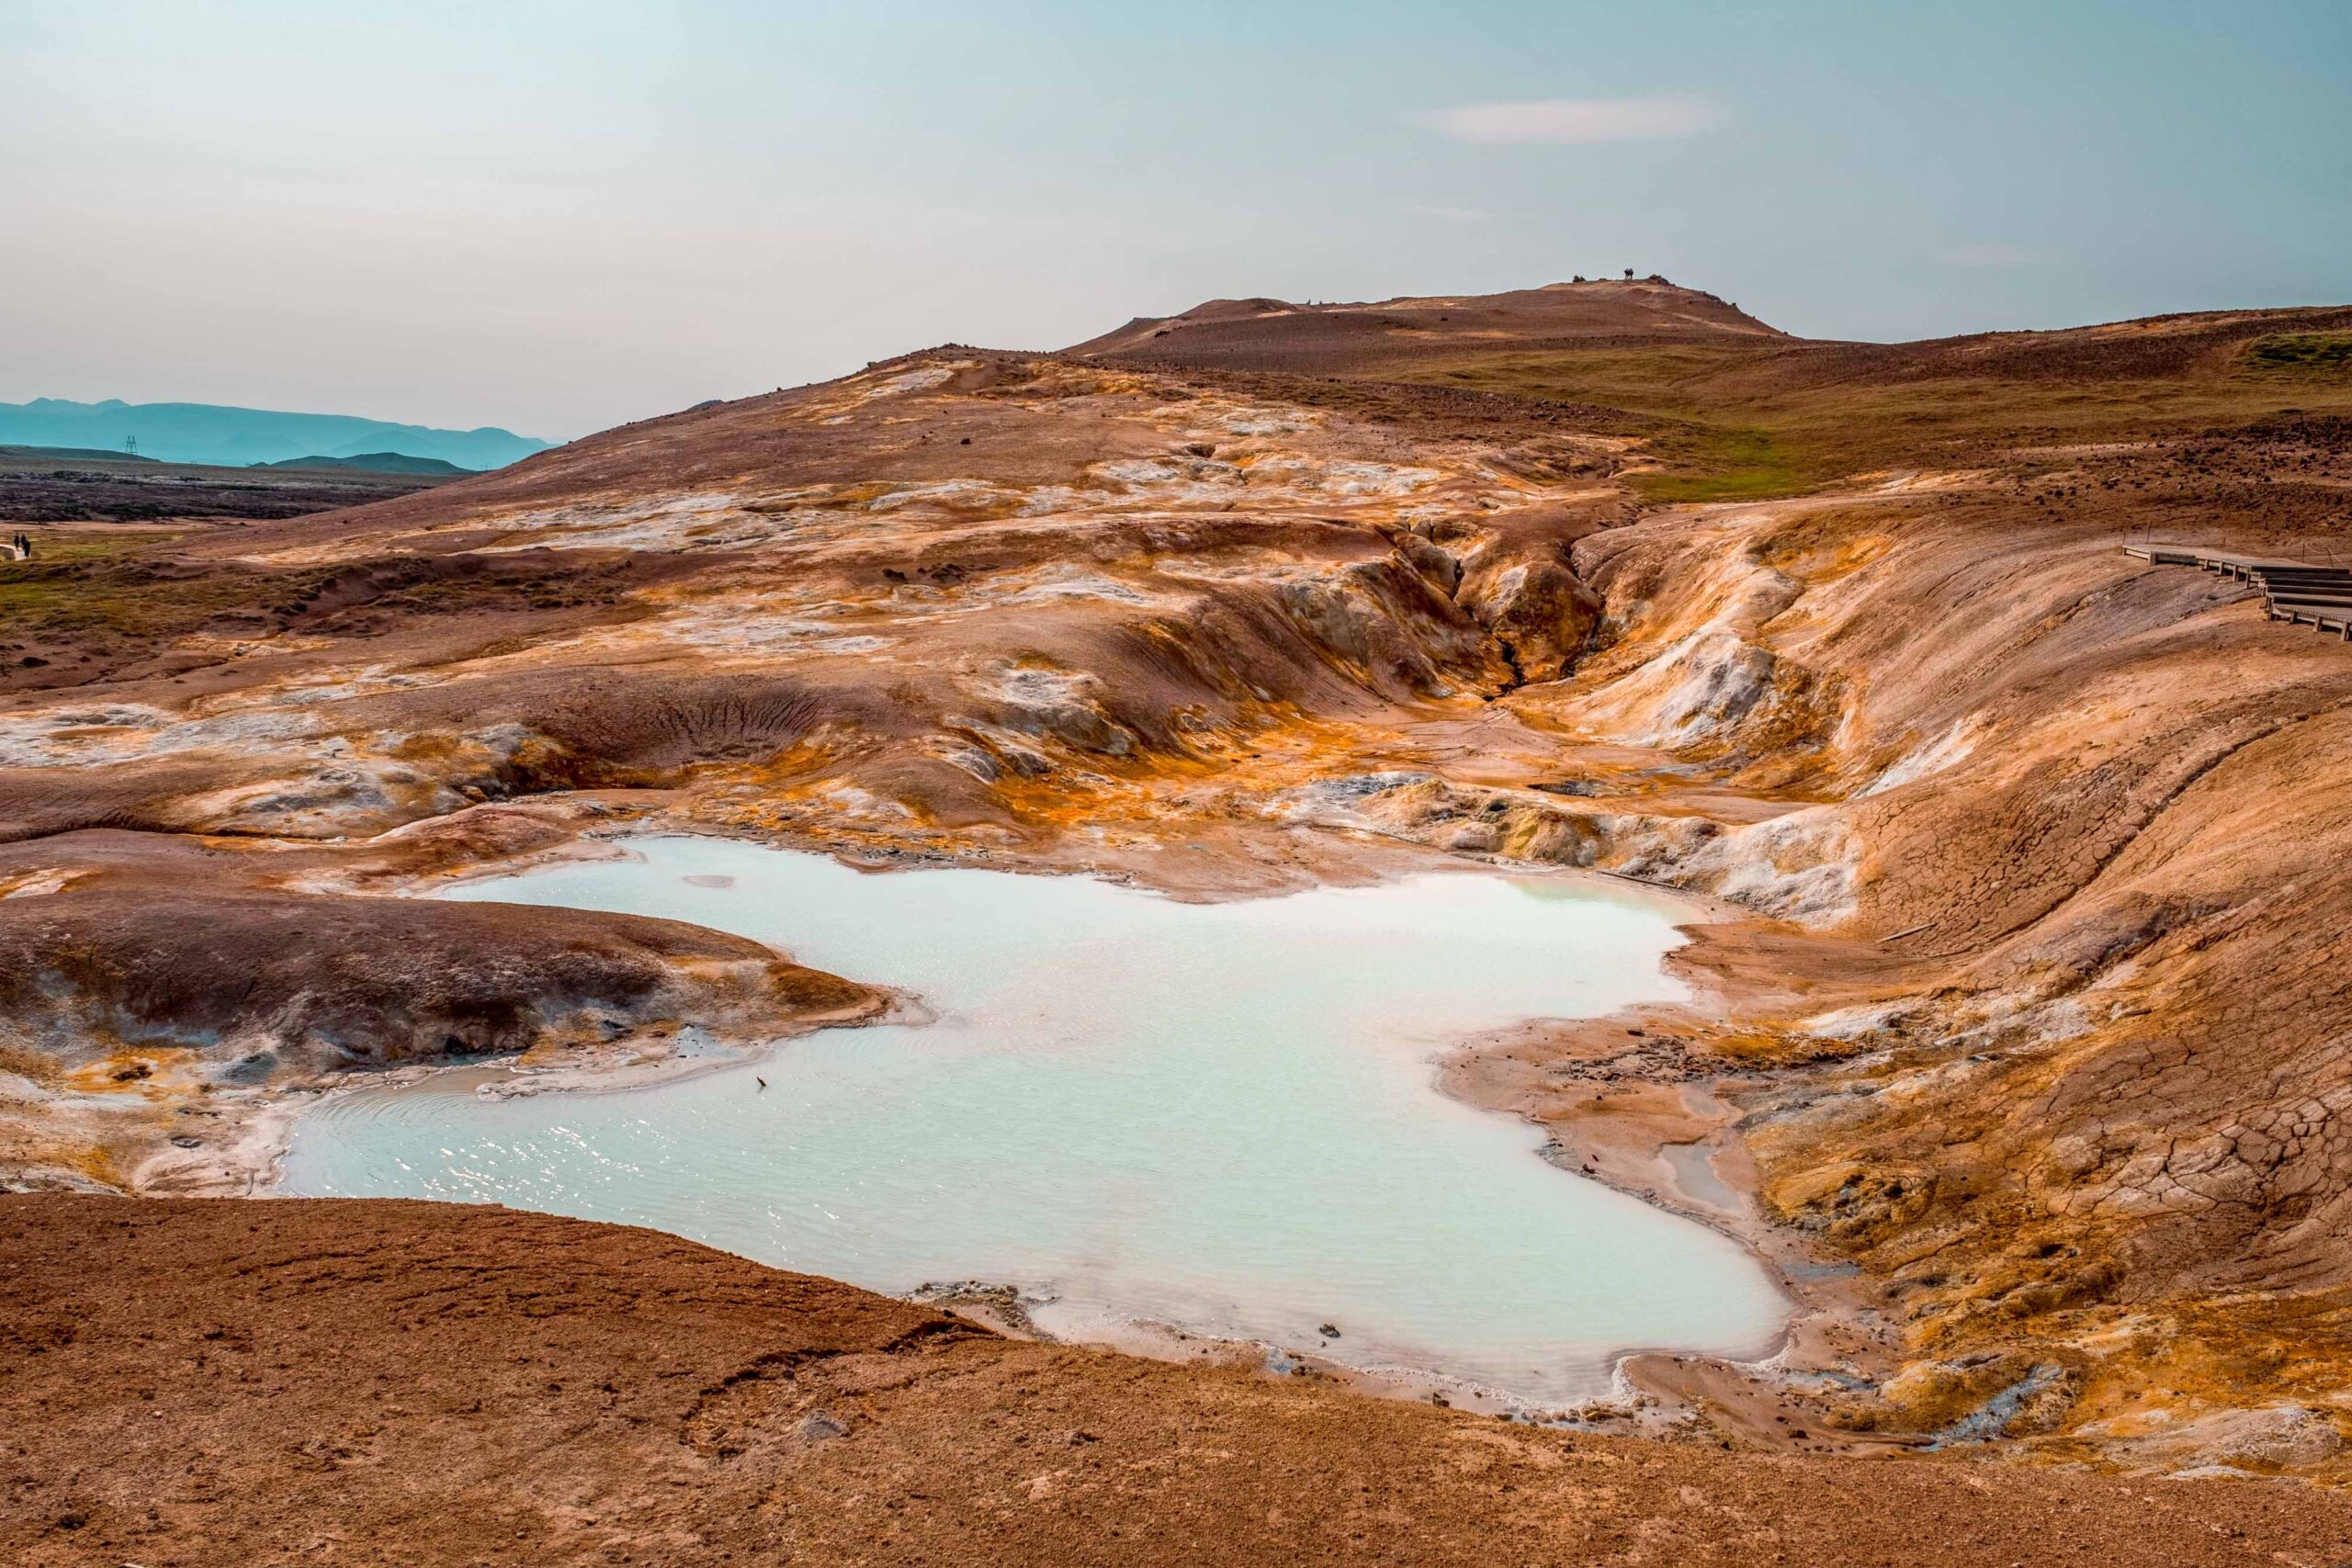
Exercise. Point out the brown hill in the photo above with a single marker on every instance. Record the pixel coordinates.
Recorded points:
(1740, 418)
(1273, 335)
(424, 1384)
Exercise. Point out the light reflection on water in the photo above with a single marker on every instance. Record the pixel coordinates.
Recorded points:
(1217, 1116)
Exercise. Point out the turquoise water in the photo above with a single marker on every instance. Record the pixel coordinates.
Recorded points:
(1220, 1117)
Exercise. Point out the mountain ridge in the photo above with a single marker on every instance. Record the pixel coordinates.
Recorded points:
(236, 436)
(376, 462)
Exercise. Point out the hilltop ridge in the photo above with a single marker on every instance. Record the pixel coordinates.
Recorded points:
(1263, 334)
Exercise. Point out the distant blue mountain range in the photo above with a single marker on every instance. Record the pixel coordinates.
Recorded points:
(208, 433)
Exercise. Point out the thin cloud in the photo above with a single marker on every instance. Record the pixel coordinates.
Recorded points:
(1665, 118)
(1454, 214)
(1987, 256)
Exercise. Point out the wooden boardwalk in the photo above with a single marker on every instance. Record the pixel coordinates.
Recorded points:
(2292, 591)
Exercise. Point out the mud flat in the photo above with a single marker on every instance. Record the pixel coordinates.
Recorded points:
(1219, 1117)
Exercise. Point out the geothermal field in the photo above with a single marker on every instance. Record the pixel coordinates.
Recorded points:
(1551, 928)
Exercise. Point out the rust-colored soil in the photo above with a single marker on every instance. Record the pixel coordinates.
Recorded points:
(1339, 340)
(199, 1383)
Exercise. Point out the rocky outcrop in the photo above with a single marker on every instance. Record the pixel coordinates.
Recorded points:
(149, 1013)
(253, 983)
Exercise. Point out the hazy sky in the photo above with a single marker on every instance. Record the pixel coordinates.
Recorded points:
(557, 216)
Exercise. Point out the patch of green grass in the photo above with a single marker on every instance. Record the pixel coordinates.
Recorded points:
(1723, 462)
(2302, 351)
(95, 582)
(1749, 421)
(57, 605)
(1710, 452)
(49, 546)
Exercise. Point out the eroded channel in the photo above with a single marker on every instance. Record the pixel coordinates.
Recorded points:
(1219, 1117)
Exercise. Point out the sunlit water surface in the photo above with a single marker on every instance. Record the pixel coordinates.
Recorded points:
(1221, 1117)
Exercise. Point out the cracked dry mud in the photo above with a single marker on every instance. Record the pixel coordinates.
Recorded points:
(2019, 1044)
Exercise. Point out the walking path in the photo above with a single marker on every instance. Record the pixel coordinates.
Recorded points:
(2294, 592)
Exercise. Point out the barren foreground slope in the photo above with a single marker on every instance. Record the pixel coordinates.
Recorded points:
(2022, 1040)
(613, 1396)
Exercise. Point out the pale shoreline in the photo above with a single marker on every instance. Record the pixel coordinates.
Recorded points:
(1628, 1398)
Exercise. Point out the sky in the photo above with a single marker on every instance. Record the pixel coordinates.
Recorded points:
(556, 217)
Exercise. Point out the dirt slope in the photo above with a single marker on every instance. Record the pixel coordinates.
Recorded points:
(1743, 419)
(420, 1384)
